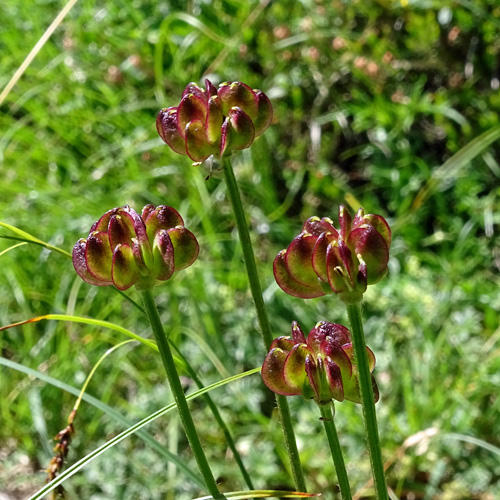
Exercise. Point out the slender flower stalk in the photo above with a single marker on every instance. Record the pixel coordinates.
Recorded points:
(178, 392)
(367, 399)
(253, 278)
(218, 417)
(333, 441)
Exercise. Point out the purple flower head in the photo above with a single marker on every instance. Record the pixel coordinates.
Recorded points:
(124, 248)
(214, 121)
(321, 367)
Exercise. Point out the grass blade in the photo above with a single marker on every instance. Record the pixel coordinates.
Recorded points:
(87, 321)
(131, 430)
(30, 238)
(108, 410)
(242, 495)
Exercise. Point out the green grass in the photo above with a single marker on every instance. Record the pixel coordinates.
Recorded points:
(77, 137)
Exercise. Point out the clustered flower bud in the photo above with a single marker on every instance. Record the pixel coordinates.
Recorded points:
(322, 259)
(214, 121)
(320, 368)
(125, 248)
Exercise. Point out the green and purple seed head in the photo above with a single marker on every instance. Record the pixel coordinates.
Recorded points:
(320, 367)
(124, 248)
(214, 121)
(323, 259)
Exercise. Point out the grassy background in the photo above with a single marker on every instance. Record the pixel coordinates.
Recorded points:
(370, 99)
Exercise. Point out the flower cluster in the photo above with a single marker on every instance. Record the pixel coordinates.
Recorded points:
(125, 248)
(322, 259)
(321, 367)
(214, 121)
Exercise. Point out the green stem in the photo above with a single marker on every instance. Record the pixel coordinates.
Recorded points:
(333, 441)
(367, 399)
(178, 392)
(253, 278)
(218, 417)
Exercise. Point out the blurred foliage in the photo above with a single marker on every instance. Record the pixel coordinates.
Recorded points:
(370, 99)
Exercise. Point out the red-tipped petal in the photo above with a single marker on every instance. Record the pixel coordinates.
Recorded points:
(193, 88)
(121, 229)
(102, 223)
(147, 211)
(237, 131)
(238, 94)
(214, 121)
(285, 343)
(191, 108)
(297, 333)
(98, 256)
(124, 272)
(368, 242)
(319, 254)
(161, 217)
(315, 225)
(211, 89)
(80, 264)
(197, 146)
(272, 373)
(186, 248)
(288, 284)
(335, 270)
(312, 371)
(294, 372)
(298, 259)
(334, 379)
(345, 221)
(166, 125)
(336, 353)
(264, 115)
(163, 256)
(323, 329)
(380, 225)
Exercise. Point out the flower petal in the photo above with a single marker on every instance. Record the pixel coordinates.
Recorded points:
(288, 284)
(237, 131)
(272, 373)
(124, 272)
(80, 264)
(98, 256)
(186, 248)
(298, 259)
(166, 125)
(297, 334)
(369, 243)
(264, 115)
(294, 372)
(238, 94)
(191, 108)
(161, 217)
(197, 146)
(163, 256)
(320, 249)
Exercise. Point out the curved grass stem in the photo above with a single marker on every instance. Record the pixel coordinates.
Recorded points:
(178, 392)
(253, 278)
(367, 399)
(333, 441)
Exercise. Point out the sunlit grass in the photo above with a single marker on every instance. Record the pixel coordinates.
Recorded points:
(77, 137)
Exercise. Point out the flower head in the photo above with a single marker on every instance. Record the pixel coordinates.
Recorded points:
(124, 248)
(322, 259)
(320, 367)
(214, 121)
